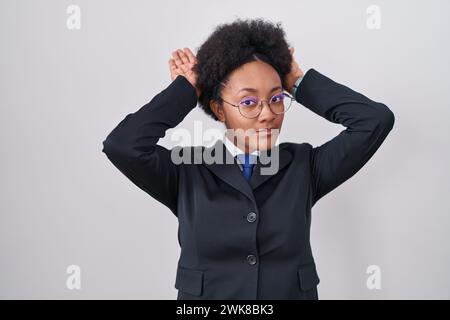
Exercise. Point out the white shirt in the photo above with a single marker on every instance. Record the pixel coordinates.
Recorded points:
(235, 150)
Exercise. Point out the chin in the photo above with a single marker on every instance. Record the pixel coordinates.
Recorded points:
(264, 142)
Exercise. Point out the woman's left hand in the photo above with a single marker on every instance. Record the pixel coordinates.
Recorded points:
(295, 73)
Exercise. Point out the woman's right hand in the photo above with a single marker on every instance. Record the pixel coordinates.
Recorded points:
(182, 63)
(294, 73)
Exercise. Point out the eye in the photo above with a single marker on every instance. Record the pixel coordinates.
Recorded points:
(248, 102)
(278, 98)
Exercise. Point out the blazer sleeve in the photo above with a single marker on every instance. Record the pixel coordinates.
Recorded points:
(367, 124)
(132, 145)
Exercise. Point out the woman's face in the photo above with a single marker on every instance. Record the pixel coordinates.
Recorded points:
(261, 82)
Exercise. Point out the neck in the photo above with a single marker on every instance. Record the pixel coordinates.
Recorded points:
(245, 148)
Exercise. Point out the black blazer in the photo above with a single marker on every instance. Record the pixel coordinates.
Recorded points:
(242, 241)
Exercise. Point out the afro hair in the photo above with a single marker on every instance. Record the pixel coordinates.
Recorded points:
(234, 44)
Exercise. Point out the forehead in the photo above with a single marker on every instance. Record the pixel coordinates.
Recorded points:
(257, 76)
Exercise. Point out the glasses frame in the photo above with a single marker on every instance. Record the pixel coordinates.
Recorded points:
(260, 104)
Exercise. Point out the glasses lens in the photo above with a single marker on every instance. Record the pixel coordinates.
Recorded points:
(249, 108)
(279, 104)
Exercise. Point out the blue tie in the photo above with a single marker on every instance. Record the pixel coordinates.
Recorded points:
(247, 161)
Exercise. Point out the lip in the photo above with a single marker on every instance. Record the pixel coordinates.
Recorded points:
(266, 131)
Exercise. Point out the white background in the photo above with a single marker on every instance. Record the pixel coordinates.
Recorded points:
(62, 91)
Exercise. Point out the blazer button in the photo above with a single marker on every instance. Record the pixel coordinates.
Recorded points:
(251, 259)
(251, 217)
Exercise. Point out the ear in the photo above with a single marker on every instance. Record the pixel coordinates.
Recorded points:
(217, 109)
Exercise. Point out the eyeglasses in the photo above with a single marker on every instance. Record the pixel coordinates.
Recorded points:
(251, 106)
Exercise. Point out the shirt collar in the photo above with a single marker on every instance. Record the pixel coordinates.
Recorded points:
(235, 150)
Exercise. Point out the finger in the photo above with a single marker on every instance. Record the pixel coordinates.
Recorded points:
(172, 65)
(190, 55)
(183, 56)
(176, 57)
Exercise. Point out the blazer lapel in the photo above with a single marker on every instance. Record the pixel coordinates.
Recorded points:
(228, 169)
(271, 166)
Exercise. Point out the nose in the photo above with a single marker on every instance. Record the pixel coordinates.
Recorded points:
(266, 114)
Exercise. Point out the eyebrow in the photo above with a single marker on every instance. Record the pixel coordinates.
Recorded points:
(255, 90)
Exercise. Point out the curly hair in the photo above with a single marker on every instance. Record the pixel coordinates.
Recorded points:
(234, 44)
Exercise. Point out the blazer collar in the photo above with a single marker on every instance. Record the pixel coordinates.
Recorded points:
(228, 170)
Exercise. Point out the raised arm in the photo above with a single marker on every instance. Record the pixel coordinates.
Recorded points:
(132, 145)
(367, 124)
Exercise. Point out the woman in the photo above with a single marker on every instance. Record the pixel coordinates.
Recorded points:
(244, 233)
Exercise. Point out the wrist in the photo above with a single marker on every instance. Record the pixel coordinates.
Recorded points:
(293, 90)
(292, 79)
